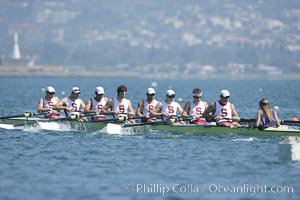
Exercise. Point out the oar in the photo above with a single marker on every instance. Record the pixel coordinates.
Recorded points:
(147, 123)
(26, 114)
(289, 122)
(282, 121)
(119, 119)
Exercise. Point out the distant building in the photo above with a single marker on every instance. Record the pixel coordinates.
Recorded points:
(16, 58)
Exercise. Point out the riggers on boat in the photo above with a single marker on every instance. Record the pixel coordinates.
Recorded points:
(74, 124)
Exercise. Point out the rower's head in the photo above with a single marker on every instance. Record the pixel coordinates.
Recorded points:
(99, 91)
(197, 93)
(121, 91)
(224, 95)
(263, 103)
(50, 91)
(170, 95)
(150, 93)
(75, 92)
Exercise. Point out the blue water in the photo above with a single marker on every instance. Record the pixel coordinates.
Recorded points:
(37, 164)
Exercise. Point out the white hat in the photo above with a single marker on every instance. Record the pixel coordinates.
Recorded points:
(170, 92)
(76, 90)
(50, 89)
(150, 91)
(99, 90)
(197, 94)
(225, 93)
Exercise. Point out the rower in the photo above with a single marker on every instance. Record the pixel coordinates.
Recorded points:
(120, 106)
(266, 116)
(169, 108)
(96, 104)
(145, 106)
(47, 103)
(195, 108)
(72, 105)
(223, 111)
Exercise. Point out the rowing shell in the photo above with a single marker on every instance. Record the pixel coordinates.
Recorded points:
(283, 130)
(50, 124)
(113, 128)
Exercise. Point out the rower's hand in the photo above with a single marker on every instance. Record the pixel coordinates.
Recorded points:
(69, 109)
(166, 114)
(235, 119)
(217, 118)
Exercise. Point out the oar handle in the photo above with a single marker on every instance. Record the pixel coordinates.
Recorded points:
(26, 114)
(288, 122)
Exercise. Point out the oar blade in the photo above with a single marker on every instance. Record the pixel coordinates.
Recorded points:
(114, 128)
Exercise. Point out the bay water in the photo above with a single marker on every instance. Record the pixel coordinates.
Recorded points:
(39, 164)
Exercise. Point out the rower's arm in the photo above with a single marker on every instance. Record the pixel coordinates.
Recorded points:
(179, 108)
(88, 106)
(209, 112)
(107, 109)
(186, 109)
(235, 115)
(258, 118)
(156, 112)
(276, 118)
(139, 109)
(130, 109)
(62, 105)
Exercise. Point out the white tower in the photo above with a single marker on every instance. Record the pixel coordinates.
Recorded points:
(16, 53)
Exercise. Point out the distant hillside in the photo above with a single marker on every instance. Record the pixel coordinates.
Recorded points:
(214, 36)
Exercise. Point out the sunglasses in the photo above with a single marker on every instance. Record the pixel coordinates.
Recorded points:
(226, 97)
(151, 94)
(52, 93)
(264, 104)
(172, 96)
(198, 97)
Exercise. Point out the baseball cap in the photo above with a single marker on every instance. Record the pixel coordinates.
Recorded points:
(76, 90)
(170, 92)
(225, 93)
(150, 91)
(99, 90)
(50, 89)
(197, 94)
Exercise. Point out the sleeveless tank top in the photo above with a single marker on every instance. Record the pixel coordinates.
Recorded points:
(224, 111)
(121, 107)
(197, 109)
(98, 105)
(49, 104)
(149, 106)
(74, 104)
(170, 108)
(268, 123)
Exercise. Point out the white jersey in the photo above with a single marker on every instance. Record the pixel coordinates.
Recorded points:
(170, 108)
(121, 107)
(98, 106)
(224, 111)
(149, 106)
(197, 109)
(74, 104)
(49, 104)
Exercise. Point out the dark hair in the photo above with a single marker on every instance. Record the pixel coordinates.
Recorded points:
(197, 91)
(122, 88)
(263, 102)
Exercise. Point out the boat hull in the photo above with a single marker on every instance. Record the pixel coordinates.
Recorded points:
(45, 123)
(200, 129)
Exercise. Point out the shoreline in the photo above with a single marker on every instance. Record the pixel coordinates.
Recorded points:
(124, 74)
(60, 71)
